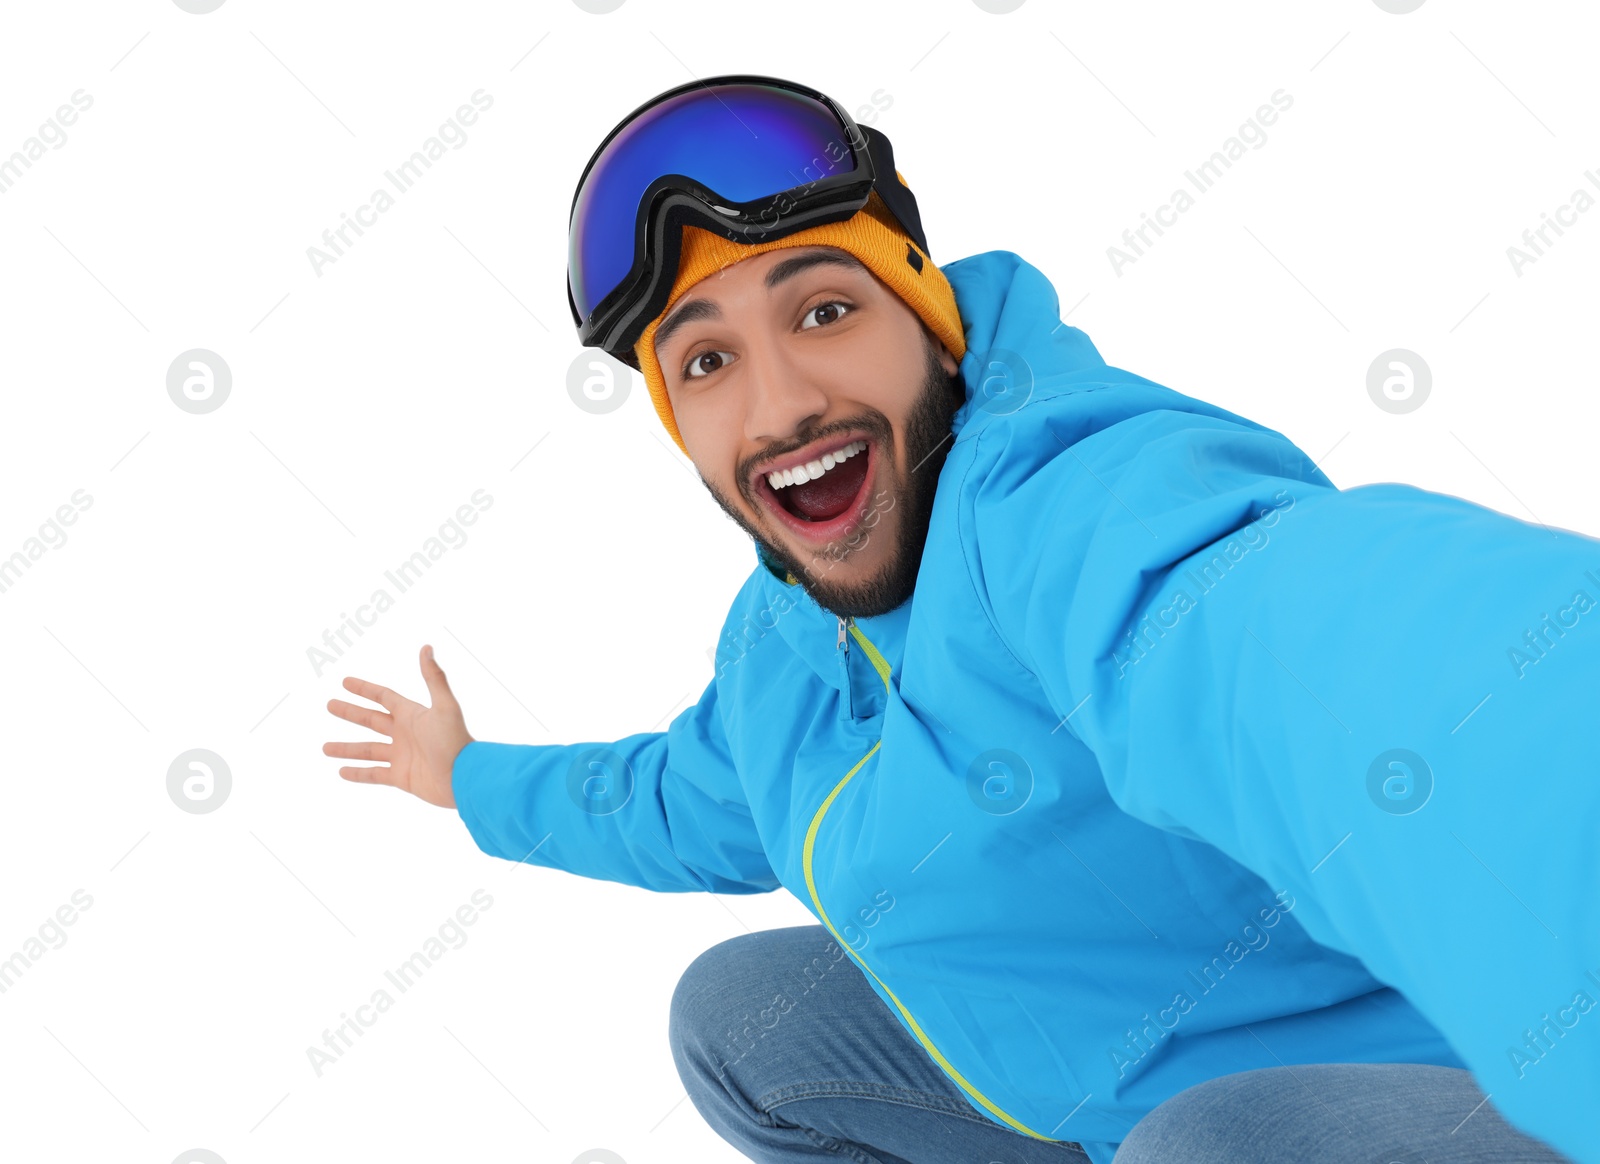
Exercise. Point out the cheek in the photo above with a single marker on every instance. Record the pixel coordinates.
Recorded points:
(689, 418)
(709, 433)
(878, 378)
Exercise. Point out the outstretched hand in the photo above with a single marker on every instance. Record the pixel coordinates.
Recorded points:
(423, 741)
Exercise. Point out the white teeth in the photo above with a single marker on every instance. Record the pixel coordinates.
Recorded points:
(811, 470)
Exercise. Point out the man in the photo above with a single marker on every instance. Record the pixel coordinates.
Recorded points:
(1149, 790)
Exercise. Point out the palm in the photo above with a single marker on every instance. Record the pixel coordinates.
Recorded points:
(423, 741)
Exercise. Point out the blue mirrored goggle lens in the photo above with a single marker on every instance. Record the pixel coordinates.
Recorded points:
(743, 140)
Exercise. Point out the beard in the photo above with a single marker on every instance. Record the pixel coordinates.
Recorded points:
(911, 490)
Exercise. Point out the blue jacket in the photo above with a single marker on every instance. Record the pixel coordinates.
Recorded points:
(1181, 761)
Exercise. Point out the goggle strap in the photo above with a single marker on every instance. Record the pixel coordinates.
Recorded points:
(898, 198)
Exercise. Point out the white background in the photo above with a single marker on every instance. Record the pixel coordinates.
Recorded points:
(370, 401)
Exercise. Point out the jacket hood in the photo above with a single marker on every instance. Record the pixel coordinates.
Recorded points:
(1015, 336)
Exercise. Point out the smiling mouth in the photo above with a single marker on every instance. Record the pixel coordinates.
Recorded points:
(825, 506)
(822, 489)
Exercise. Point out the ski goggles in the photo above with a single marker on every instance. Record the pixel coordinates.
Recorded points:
(748, 157)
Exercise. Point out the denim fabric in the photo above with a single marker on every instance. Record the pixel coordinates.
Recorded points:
(1371, 1113)
(790, 1056)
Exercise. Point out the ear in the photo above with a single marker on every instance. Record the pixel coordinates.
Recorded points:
(947, 359)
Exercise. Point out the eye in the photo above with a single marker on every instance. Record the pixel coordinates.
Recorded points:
(842, 308)
(695, 368)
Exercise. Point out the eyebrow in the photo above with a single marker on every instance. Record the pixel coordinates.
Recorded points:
(697, 309)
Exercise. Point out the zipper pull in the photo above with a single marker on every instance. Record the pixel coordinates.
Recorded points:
(841, 643)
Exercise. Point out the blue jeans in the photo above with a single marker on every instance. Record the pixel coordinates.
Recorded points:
(790, 1056)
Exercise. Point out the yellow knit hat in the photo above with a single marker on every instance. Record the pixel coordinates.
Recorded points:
(871, 235)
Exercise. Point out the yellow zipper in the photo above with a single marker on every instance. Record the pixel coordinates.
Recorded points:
(881, 665)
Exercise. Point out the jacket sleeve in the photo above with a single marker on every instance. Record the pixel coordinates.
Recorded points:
(1383, 699)
(660, 810)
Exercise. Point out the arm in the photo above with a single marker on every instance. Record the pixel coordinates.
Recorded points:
(683, 824)
(1244, 647)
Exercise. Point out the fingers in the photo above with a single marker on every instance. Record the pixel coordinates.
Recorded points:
(389, 700)
(364, 716)
(368, 775)
(365, 750)
(433, 676)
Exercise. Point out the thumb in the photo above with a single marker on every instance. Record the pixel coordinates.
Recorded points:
(433, 675)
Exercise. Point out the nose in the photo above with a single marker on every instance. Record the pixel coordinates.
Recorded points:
(781, 397)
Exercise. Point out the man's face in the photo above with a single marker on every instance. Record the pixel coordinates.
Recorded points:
(786, 356)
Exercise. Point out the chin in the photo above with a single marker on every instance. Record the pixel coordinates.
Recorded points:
(860, 587)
